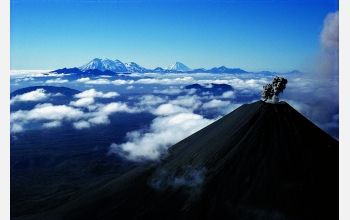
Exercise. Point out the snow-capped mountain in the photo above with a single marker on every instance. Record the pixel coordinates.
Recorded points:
(178, 66)
(135, 68)
(104, 64)
(117, 66)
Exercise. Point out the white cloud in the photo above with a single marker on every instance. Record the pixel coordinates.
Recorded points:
(215, 103)
(52, 115)
(122, 82)
(81, 125)
(164, 132)
(84, 79)
(58, 80)
(187, 101)
(82, 102)
(37, 95)
(170, 91)
(228, 94)
(154, 81)
(95, 94)
(101, 119)
(168, 109)
(207, 93)
(106, 76)
(16, 127)
(47, 112)
(116, 107)
(97, 81)
(58, 94)
(149, 100)
(191, 91)
(208, 86)
(167, 81)
(52, 124)
(110, 95)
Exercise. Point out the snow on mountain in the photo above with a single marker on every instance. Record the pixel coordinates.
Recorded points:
(104, 64)
(135, 68)
(178, 66)
(132, 67)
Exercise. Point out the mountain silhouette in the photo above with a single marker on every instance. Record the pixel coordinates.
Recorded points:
(261, 161)
(49, 89)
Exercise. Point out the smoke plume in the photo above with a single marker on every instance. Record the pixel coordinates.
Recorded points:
(328, 60)
(271, 90)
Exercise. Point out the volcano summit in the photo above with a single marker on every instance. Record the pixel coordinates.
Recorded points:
(261, 161)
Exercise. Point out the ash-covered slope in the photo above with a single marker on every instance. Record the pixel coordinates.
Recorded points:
(261, 161)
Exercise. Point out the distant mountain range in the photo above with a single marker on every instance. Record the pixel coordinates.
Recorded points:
(99, 66)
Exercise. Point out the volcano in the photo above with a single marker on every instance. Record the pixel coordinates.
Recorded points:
(261, 161)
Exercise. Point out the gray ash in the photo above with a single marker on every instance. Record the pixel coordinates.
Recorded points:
(272, 90)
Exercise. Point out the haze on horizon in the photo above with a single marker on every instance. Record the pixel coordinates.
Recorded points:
(251, 35)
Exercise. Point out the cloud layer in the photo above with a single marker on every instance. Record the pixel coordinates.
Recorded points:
(53, 116)
(179, 112)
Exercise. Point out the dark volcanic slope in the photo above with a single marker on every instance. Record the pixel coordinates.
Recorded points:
(261, 161)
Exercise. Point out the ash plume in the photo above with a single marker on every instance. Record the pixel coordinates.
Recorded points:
(272, 90)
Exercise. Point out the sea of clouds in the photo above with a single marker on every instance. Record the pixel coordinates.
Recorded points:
(178, 112)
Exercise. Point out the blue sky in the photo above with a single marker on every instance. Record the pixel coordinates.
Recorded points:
(252, 35)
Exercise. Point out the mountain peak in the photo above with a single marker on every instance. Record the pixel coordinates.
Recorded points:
(104, 64)
(260, 161)
(119, 67)
(178, 66)
(135, 68)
